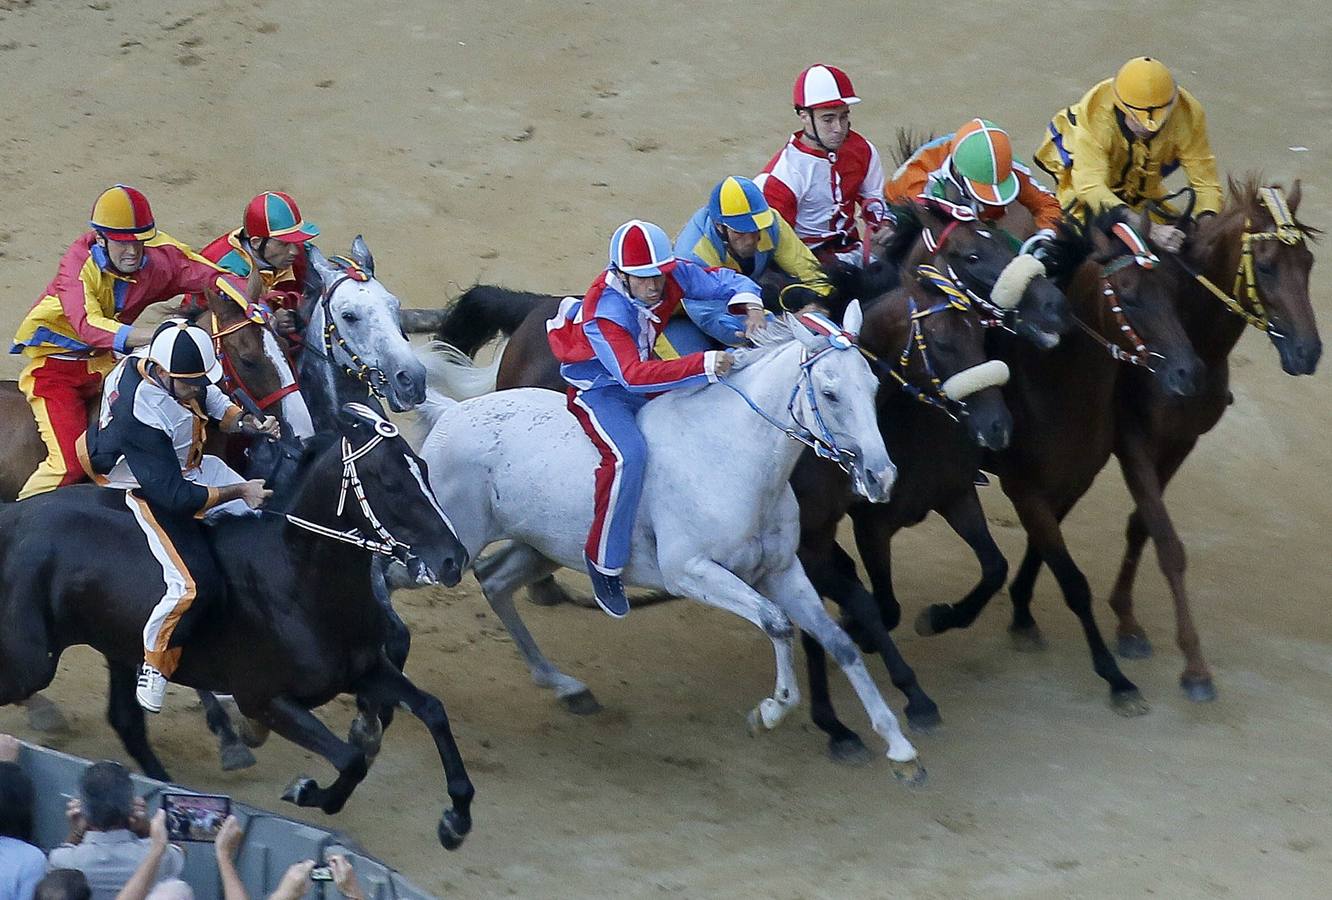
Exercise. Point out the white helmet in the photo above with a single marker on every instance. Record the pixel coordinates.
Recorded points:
(186, 352)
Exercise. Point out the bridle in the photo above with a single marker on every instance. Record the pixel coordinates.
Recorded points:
(383, 542)
(257, 316)
(819, 439)
(372, 377)
(995, 316)
(1141, 256)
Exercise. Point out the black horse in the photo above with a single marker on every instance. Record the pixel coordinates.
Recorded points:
(300, 625)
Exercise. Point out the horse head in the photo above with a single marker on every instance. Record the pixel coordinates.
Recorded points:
(836, 403)
(985, 262)
(354, 319)
(259, 374)
(1258, 238)
(1130, 298)
(384, 491)
(928, 339)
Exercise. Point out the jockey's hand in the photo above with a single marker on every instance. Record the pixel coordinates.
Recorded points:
(756, 319)
(268, 426)
(139, 336)
(724, 363)
(286, 321)
(254, 493)
(1167, 237)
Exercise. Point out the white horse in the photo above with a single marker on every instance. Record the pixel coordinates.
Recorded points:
(718, 521)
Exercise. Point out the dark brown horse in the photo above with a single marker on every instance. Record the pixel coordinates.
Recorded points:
(1063, 409)
(1156, 432)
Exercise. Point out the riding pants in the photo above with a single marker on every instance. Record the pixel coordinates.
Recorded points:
(193, 579)
(59, 392)
(608, 415)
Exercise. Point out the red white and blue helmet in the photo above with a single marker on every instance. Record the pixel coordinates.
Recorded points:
(642, 249)
(821, 85)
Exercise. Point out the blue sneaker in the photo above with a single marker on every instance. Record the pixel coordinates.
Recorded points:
(608, 591)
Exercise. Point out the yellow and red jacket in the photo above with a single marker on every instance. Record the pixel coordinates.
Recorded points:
(88, 307)
(926, 170)
(1097, 162)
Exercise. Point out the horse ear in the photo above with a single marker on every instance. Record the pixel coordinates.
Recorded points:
(360, 252)
(1293, 198)
(808, 339)
(320, 264)
(852, 319)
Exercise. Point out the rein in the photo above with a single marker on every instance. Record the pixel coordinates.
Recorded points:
(995, 317)
(384, 543)
(1246, 284)
(1139, 255)
(956, 298)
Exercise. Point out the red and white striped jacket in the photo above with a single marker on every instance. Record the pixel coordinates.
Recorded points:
(817, 192)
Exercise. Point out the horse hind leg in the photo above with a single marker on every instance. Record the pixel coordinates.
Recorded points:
(45, 716)
(844, 745)
(127, 718)
(1132, 641)
(231, 750)
(1023, 630)
(501, 574)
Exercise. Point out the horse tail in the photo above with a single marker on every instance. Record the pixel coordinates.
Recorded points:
(484, 311)
(453, 374)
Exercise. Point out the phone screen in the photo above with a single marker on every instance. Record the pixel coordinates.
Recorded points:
(321, 873)
(195, 817)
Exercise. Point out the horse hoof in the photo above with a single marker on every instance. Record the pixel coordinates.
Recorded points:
(1028, 639)
(452, 830)
(251, 732)
(848, 751)
(548, 592)
(924, 624)
(924, 721)
(1198, 689)
(46, 717)
(1134, 646)
(235, 756)
(911, 773)
(300, 791)
(583, 703)
(1129, 703)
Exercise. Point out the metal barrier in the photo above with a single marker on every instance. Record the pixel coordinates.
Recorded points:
(271, 844)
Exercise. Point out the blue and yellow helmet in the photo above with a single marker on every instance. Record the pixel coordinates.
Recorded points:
(737, 203)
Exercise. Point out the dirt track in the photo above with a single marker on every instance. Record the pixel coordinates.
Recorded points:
(502, 142)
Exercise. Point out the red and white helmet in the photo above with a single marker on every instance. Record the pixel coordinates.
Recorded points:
(821, 85)
(641, 248)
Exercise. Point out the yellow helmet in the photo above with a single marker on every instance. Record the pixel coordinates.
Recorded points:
(1145, 90)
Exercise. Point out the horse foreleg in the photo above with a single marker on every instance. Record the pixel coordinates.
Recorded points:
(1046, 539)
(389, 686)
(1023, 630)
(797, 598)
(1147, 490)
(300, 726)
(874, 530)
(966, 517)
(127, 718)
(708, 582)
(501, 574)
(231, 749)
(372, 720)
(844, 745)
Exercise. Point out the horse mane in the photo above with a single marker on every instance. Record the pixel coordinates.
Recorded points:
(906, 230)
(1072, 243)
(773, 336)
(1242, 202)
(908, 142)
(864, 283)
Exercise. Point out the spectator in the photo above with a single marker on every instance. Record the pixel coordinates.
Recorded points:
(171, 889)
(63, 884)
(344, 877)
(21, 864)
(108, 835)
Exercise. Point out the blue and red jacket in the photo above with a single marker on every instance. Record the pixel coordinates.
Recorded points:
(607, 339)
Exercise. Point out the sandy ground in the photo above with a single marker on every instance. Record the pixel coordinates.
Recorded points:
(503, 141)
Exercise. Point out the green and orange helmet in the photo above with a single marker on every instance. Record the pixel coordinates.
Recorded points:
(982, 158)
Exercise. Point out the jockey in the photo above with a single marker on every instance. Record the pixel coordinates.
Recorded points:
(148, 442)
(974, 167)
(105, 280)
(1115, 146)
(273, 233)
(737, 230)
(826, 170)
(603, 343)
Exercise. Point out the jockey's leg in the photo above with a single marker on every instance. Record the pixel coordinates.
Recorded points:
(188, 569)
(608, 417)
(58, 391)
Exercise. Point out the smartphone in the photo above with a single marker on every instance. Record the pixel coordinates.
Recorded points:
(195, 817)
(321, 873)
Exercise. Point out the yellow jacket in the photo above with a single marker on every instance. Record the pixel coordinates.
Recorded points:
(1097, 162)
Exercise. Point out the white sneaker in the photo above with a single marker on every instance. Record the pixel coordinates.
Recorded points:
(152, 689)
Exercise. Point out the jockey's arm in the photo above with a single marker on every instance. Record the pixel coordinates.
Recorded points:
(617, 351)
(152, 459)
(192, 274)
(1195, 155)
(1042, 204)
(1090, 173)
(793, 256)
(719, 301)
(872, 205)
(80, 302)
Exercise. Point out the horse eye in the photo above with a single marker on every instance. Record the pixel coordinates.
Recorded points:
(350, 318)
(1267, 267)
(973, 257)
(829, 395)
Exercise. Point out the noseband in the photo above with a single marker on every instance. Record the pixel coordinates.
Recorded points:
(372, 377)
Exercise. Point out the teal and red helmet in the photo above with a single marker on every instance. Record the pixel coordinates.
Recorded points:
(642, 249)
(274, 214)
